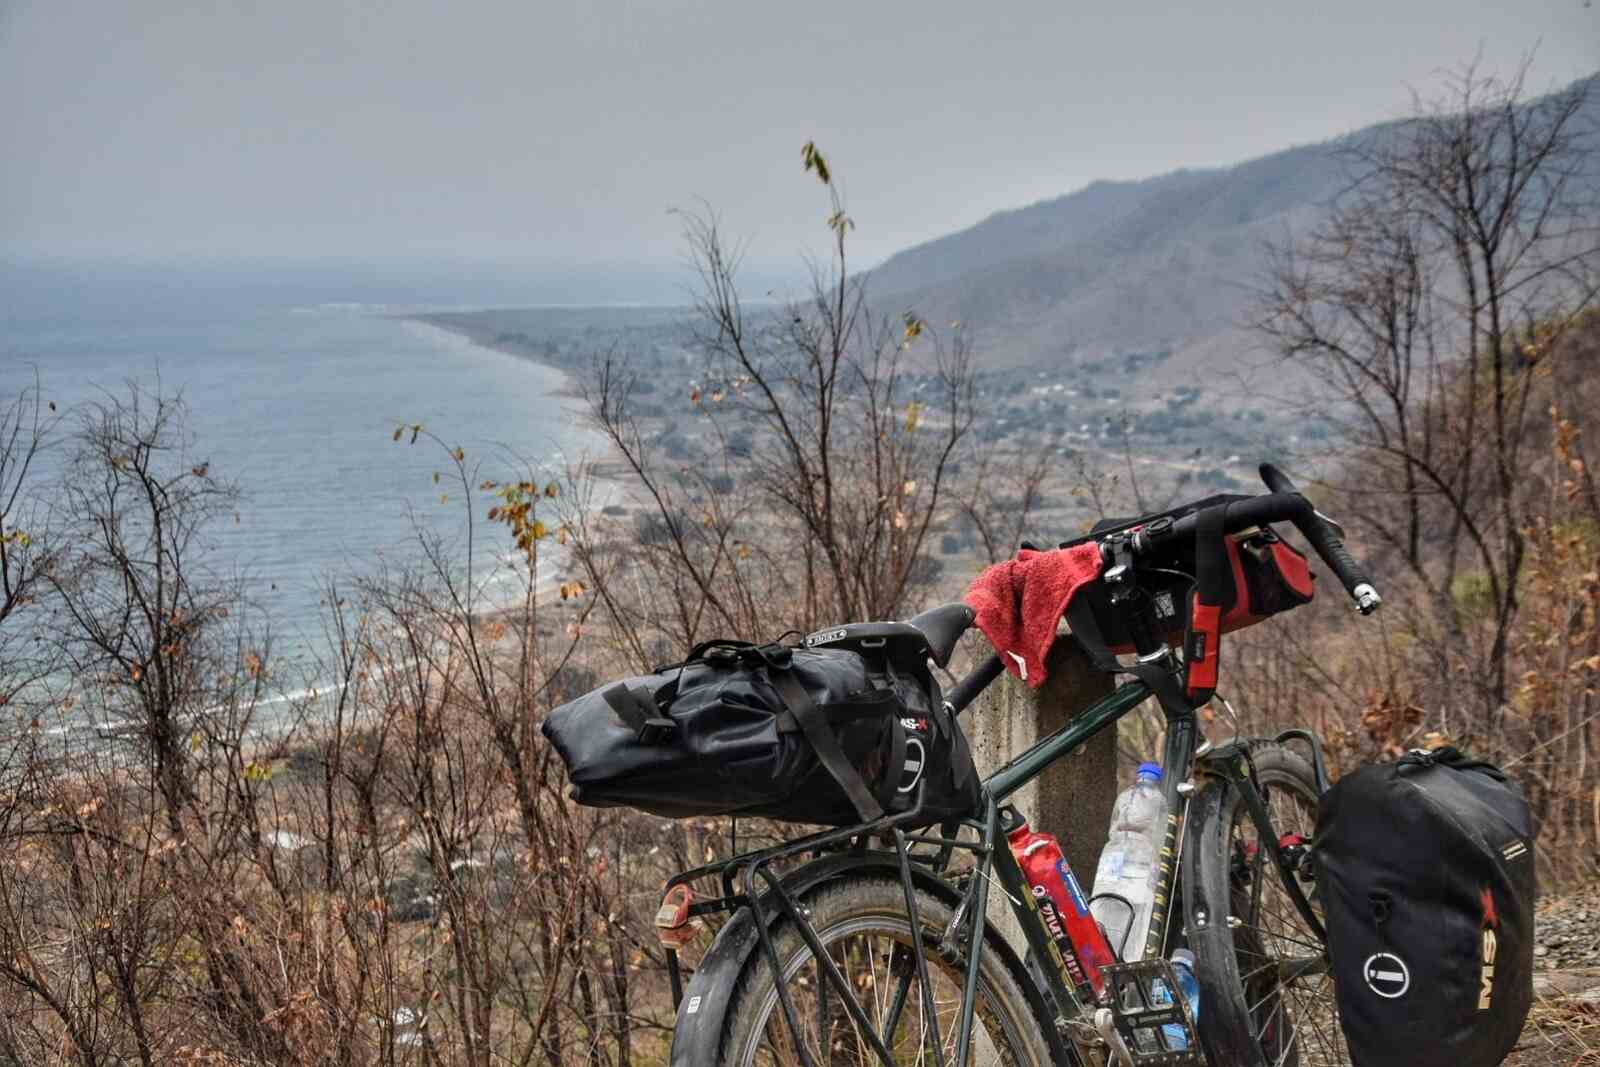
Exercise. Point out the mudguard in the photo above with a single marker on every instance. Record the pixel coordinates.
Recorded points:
(697, 1035)
(1200, 916)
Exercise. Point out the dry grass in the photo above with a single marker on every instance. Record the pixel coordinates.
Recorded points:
(1564, 1028)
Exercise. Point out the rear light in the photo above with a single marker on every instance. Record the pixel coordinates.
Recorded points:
(674, 925)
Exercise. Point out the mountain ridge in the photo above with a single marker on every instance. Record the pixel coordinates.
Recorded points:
(1168, 263)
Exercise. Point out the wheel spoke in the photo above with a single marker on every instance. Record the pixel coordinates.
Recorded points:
(1301, 942)
(897, 1005)
(1294, 1036)
(1284, 988)
(898, 1011)
(1277, 1010)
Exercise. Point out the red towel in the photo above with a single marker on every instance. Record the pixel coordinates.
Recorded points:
(1020, 601)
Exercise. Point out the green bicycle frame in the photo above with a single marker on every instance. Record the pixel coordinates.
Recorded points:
(1021, 770)
(994, 863)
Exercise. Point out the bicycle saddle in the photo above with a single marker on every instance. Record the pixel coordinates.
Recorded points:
(934, 633)
(943, 627)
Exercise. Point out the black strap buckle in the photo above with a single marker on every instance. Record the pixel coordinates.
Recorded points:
(776, 655)
(720, 655)
(635, 708)
(655, 731)
(814, 724)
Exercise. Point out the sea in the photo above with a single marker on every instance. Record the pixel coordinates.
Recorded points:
(295, 382)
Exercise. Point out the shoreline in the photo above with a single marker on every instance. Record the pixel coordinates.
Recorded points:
(479, 338)
(486, 336)
(296, 611)
(605, 470)
(607, 467)
(546, 587)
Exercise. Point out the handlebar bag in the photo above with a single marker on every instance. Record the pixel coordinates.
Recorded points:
(1424, 868)
(1193, 591)
(833, 736)
(1262, 576)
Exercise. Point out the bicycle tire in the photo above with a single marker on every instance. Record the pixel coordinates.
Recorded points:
(1248, 1016)
(1010, 1027)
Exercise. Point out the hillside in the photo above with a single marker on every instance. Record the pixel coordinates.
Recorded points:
(1155, 265)
(1166, 264)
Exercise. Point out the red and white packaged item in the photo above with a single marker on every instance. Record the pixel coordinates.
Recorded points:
(1065, 911)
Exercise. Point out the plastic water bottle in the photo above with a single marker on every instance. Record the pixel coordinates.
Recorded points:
(1128, 865)
(1189, 986)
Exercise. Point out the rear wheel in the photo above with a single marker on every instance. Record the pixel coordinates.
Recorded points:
(1266, 991)
(864, 927)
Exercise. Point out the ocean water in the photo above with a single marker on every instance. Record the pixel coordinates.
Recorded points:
(294, 393)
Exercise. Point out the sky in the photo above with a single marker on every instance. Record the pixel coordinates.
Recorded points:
(552, 133)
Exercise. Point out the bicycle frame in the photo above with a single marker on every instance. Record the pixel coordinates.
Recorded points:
(993, 818)
(1018, 773)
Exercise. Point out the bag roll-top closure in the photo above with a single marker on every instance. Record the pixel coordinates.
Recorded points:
(727, 653)
(1451, 757)
(652, 725)
(648, 717)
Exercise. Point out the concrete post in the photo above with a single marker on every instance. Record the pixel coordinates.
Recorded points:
(1072, 799)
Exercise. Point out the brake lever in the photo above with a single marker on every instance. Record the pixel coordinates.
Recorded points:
(1366, 597)
(1338, 527)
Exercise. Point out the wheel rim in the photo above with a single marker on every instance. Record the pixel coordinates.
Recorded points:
(1288, 988)
(874, 955)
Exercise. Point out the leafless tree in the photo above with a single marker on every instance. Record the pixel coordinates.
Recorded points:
(1001, 496)
(139, 608)
(29, 425)
(827, 442)
(1427, 303)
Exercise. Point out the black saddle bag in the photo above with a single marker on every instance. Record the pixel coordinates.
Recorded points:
(1425, 873)
(834, 736)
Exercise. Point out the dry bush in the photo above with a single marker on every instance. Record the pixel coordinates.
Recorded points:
(385, 870)
(827, 448)
(1446, 304)
(1413, 675)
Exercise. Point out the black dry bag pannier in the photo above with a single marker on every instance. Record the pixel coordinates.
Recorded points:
(1424, 868)
(834, 736)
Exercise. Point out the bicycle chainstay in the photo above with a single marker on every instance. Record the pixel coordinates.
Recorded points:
(1132, 1026)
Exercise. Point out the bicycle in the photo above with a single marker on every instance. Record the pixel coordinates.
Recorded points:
(820, 964)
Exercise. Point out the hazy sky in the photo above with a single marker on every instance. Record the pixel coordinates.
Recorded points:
(558, 132)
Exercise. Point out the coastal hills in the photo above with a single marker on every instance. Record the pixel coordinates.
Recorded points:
(1113, 319)
(1169, 264)
(1161, 265)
